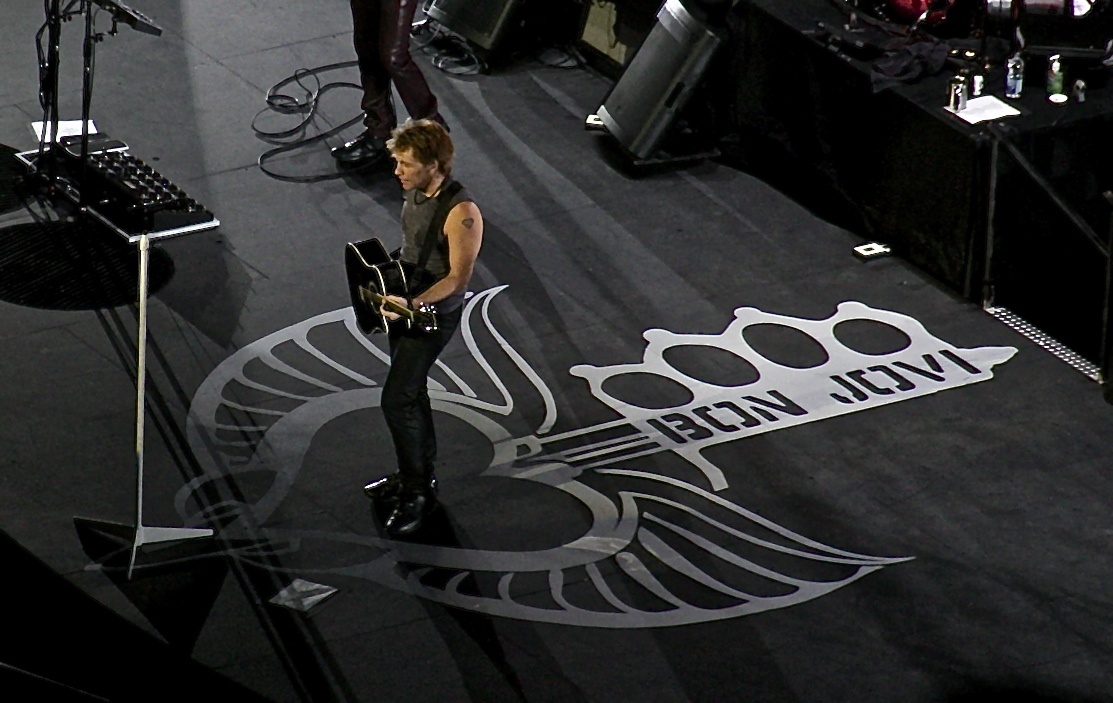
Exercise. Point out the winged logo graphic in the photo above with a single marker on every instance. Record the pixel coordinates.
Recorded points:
(658, 549)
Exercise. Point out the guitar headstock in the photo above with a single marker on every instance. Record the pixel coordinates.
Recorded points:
(425, 317)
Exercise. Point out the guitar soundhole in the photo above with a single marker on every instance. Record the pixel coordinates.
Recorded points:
(786, 346)
(713, 365)
(647, 390)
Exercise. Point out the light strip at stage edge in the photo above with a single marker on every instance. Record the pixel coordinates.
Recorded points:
(1047, 342)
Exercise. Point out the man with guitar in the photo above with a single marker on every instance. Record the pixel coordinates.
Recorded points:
(442, 232)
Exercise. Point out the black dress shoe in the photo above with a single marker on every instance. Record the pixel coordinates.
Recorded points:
(409, 514)
(361, 151)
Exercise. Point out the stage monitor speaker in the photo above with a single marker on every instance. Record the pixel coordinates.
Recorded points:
(482, 22)
(659, 80)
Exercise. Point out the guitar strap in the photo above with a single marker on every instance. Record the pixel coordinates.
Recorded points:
(436, 226)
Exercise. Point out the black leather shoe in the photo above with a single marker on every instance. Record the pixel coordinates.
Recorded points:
(407, 517)
(385, 488)
(363, 150)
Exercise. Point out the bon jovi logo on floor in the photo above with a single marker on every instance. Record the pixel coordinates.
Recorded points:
(648, 543)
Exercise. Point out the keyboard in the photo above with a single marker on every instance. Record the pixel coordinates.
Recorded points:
(129, 193)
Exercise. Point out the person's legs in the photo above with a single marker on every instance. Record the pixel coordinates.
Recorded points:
(378, 107)
(381, 35)
(406, 407)
(409, 417)
(367, 32)
(394, 45)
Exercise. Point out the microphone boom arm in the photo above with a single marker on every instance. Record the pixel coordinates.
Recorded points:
(131, 17)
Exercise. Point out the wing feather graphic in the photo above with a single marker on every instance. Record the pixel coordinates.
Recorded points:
(657, 551)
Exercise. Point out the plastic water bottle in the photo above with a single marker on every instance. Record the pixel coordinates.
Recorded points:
(1014, 76)
(957, 90)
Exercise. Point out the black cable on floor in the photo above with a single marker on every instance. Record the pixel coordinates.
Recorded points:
(279, 102)
(560, 57)
(451, 53)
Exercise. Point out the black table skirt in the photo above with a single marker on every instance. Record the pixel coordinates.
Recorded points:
(920, 178)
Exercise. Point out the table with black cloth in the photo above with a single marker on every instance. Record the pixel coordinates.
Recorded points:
(926, 182)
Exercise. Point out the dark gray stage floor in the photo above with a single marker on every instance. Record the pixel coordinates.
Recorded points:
(692, 449)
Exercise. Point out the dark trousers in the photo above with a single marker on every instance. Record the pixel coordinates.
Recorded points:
(405, 399)
(381, 34)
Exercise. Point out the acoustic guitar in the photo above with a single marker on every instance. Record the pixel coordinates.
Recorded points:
(373, 275)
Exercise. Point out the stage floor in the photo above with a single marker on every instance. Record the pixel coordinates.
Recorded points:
(692, 448)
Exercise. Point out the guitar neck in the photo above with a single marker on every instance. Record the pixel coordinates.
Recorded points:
(382, 300)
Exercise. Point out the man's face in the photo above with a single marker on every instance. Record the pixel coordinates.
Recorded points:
(412, 174)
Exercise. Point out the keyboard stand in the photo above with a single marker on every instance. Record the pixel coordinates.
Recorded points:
(49, 157)
(144, 534)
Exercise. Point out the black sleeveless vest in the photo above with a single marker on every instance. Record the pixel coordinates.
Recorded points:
(417, 214)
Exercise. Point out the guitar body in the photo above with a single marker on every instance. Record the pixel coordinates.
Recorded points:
(372, 274)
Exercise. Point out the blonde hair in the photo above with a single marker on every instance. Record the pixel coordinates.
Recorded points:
(427, 140)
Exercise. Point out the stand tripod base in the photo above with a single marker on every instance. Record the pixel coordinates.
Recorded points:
(131, 537)
(155, 535)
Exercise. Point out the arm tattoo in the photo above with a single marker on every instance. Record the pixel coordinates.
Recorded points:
(468, 222)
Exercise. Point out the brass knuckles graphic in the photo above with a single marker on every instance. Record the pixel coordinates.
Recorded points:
(781, 395)
(245, 421)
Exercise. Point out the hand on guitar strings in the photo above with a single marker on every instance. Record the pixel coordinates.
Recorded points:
(397, 301)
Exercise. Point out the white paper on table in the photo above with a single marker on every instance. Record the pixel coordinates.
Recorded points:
(987, 107)
(66, 128)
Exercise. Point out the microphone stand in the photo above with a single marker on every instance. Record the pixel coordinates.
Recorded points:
(120, 13)
(1107, 314)
(49, 89)
(89, 60)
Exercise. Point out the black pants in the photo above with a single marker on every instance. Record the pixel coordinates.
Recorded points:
(405, 399)
(381, 34)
